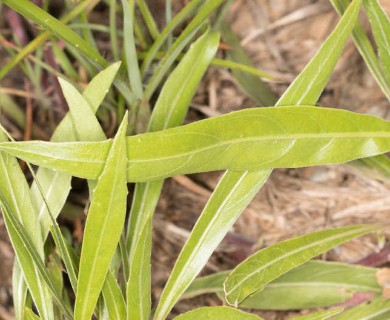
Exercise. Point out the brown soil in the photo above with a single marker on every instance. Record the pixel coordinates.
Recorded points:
(281, 37)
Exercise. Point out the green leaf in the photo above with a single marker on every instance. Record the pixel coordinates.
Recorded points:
(211, 313)
(30, 315)
(364, 46)
(113, 298)
(270, 263)
(377, 309)
(319, 315)
(169, 111)
(177, 19)
(130, 49)
(103, 227)
(56, 185)
(314, 284)
(184, 38)
(14, 194)
(85, 124)
(36, 275)
(316, 74)
(47, 21)
(216, 220)
(138, 286)
(380, 23)
(256, 89)
(294, 137)
(19, 290)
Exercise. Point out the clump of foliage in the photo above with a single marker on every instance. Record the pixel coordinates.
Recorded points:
(110, 278)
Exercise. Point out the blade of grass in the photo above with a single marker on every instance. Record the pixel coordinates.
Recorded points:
(366, 51)
(380, 23)
(48, 22)
(255, 272)
(185, 37)
(103, 228)
(148, 17)
(177, 20)
(220, 203)
(19, 291)
(40, 39)
(130, 49)
(113, 30)
(256, 89)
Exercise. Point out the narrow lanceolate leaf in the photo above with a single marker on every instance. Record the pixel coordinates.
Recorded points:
(31, 262)
(14, 194)
(294, 137)
(298, 288)
(270, 263)
(138, 286)
(317, 73)
(169, 111)
(380, 23)
(320, 315)
(211, 313)
(366, 50)
(113, 298)
(377, 309)
(216, 220)
(103, 227)
(19, 290)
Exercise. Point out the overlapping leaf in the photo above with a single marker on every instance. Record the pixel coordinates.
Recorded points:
(314, 284)
(103, 227)
(258, 270)
(293, 137)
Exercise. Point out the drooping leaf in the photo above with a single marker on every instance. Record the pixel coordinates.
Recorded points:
(103, 228)
(268, 264)
(377, 309)
(319, 315)
(211, 313)
(314, 284)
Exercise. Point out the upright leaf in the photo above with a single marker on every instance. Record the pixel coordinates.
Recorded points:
(103, 228)
(270, 263)
(380, 23)
(14, 194)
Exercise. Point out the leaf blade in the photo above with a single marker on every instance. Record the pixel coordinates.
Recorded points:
(270, 263)
(101, 235)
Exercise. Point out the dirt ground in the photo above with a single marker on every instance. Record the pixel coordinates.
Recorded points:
(281, 37)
